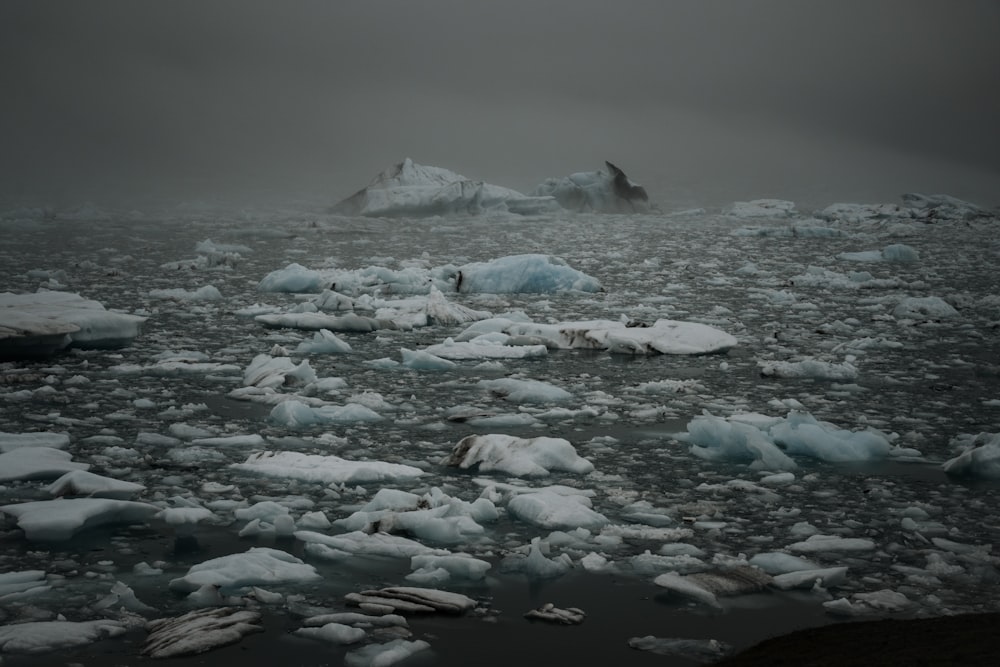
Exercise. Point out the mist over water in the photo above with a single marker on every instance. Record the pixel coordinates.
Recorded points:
(703, 104)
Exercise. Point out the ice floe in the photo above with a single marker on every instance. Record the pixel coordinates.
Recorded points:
(38, 324)
(60, 519)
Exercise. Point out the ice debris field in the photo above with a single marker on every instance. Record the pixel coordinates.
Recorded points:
(215, 417)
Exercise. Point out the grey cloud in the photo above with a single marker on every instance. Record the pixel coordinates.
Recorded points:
(715, 98)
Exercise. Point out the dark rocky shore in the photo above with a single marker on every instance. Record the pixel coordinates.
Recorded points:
(966, 639)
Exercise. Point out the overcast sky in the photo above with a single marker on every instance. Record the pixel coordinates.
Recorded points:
(697, 99)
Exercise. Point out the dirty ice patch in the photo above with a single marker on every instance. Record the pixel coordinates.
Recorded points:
(325, 469)
(521, 457)
(360, 543)
(533, 273)
(663, 337)
(259, 566)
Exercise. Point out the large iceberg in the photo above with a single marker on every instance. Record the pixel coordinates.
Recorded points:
(408, 189)
(601, 191)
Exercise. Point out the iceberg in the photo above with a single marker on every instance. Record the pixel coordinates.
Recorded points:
(601, 191)
(533, 274)
(40, 324)
(408, 189)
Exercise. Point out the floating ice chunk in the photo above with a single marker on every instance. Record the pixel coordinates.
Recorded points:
(663, 337)
(259, 566)
(9, 441)
(14, 585)
(122, 597)
(45, 322)
(199, 631)
(323, 342)
(383, 655)
(358, 543)
(333, 633)
(249, 440)
(822, 543)
(296, 414)
(392, 499)
(517, 456)
(761, 208)
(525, 391)
(293, 278)
(809, 368)
(459, 566)
(83, 483)
(778, 562)
(37, 463)
(717, 439)
(550, 510)
(865, 604)
(316, 321)
(479, 348)
(863, 256)
(803, 434)
(536, 565)
(442, 312)
(552, 614)
(826, 577)
(687, 587)
(900, 252)
(980, 459)
(439, 524)
(206, 293)
(181, 516)
(696, 650)
(923, 308)
(55, 520)
(425, 361)
(48, 636)
(817, 276)
(410, 599)
(357, 620)
(326, 469)
(524, 274)
(268, 371)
